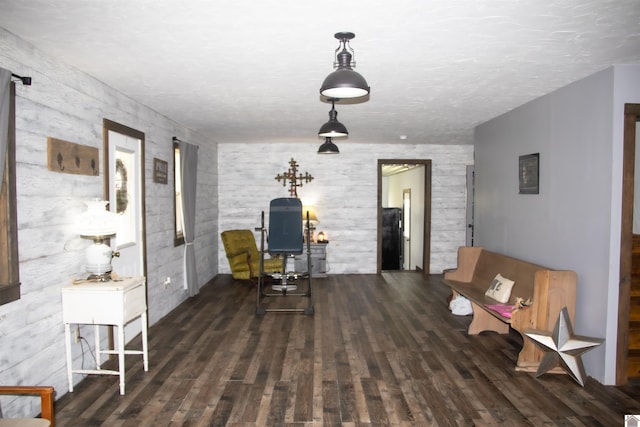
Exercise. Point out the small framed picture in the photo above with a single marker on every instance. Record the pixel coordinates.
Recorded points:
(160, 171)
(529, 173)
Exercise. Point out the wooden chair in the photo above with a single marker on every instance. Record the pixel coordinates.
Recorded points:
(46, 405)
(244, 258)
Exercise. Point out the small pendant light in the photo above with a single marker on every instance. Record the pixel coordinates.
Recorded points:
(333, 128)
(328, 147)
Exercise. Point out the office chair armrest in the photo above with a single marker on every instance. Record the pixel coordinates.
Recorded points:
(46, 397)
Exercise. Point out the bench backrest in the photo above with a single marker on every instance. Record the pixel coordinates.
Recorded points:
(521, 272)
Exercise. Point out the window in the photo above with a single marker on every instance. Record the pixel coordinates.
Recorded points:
(9, 271)
(177, 200)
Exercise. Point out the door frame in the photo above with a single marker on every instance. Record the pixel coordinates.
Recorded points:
(471, 188)
(109, 125)
(426, 237)
(631, 117)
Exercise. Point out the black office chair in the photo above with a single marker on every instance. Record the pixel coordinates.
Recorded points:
(286, 240)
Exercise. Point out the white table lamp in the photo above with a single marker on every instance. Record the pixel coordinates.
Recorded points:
(99, 224)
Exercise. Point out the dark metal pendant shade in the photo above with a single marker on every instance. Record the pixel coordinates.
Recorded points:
(328, 147)
(344, 82)
(333, 128)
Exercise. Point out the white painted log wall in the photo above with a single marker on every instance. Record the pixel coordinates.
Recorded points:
(344, 193)
(67, 104)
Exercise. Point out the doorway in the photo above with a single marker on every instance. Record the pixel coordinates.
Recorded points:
(422, 239)
(628, 343)
(406, 229)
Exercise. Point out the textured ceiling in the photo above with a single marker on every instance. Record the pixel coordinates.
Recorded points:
(249, 71)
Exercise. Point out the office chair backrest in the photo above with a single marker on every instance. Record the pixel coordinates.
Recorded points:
(285, 226)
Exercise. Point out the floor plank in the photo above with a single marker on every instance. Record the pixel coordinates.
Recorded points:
(379, 351)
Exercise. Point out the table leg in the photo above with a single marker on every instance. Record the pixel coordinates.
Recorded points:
(145, 346)
(121, 356)
(96, 335)
(67, 337)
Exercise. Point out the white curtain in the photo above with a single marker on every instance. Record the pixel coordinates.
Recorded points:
(189, 170)
(5, 92)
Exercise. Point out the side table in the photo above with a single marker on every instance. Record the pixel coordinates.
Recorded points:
(318, 260)
(115, 303)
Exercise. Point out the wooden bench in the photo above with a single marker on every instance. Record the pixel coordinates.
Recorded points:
(549, 291)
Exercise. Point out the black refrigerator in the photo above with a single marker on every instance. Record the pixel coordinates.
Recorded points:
(391, 239)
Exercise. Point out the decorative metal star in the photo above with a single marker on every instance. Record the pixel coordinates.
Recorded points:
(563, 348)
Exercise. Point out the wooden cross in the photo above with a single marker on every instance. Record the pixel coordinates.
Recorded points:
(293, 179)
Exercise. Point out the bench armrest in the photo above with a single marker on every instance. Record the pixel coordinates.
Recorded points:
(46, 397)
(467, 260)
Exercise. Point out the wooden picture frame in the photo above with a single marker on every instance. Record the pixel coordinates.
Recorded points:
(160, 171)
(529, 174)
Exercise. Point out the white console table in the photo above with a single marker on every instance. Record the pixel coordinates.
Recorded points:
(115, 303)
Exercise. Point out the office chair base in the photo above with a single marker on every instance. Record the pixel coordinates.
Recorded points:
(284, 288)
(286, 294)
(307, 310)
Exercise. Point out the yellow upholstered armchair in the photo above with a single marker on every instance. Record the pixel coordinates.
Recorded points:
(244, 258)
(46, 406)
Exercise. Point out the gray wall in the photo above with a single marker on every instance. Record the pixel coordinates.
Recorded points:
(344, 193)
(574, 223)
(67, 104)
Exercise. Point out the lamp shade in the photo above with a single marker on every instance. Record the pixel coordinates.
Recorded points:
(312, 214)
(344, 83)
(328, 147)
(97, 221)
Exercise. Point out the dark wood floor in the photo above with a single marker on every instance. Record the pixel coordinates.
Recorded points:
(380, 350)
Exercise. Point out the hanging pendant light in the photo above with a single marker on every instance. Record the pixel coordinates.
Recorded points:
(328, 147)
(344, 82)
(333, 128)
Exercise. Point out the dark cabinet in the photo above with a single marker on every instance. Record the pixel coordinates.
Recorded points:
(391, 239)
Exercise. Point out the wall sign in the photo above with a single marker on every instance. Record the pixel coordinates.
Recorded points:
(160, 171)
(529, 173)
